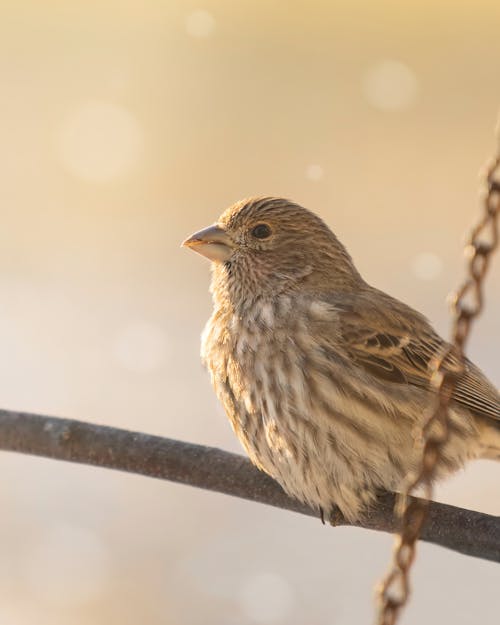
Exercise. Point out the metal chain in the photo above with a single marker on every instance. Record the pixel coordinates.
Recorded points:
(467, 303)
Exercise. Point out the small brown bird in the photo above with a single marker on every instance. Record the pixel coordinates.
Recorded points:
(325, 379)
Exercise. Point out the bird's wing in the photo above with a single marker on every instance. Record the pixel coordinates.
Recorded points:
(394, 351)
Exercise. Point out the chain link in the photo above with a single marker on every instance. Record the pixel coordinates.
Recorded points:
(467, 303)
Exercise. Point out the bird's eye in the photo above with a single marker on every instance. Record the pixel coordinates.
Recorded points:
(261, 231)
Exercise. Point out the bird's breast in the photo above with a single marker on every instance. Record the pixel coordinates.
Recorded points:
(254, 362)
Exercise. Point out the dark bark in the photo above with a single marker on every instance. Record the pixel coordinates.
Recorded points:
(465, 531)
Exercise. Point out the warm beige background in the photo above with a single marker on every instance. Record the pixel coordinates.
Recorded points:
(124, 126)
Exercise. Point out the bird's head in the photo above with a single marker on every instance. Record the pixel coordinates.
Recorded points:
(264, 246)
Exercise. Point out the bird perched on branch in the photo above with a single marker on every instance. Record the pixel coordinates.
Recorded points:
(325, 379)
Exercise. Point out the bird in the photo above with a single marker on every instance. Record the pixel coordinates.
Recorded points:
(325, 379)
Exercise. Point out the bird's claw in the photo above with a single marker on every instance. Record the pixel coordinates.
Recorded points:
(336, 517)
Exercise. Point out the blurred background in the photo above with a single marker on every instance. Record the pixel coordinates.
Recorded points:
(124, 127)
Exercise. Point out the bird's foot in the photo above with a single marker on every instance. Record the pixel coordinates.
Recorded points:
(335, 517)
(322, 515)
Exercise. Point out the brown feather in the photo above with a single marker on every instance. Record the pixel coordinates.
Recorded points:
(393, 354)
(325, 379)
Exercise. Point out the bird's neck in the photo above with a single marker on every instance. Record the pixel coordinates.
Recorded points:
(236, 290)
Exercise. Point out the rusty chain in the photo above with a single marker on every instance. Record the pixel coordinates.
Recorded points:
(467, 303)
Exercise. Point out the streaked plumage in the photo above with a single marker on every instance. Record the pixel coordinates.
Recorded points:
(324, 378)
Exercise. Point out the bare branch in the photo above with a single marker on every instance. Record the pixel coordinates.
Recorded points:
(465, 531)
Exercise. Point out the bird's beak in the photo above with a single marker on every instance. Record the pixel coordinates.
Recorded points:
(213, 242)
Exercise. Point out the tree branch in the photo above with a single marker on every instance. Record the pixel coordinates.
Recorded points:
(465, 531)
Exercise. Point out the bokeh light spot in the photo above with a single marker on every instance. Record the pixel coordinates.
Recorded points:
(314, 172)
(266, 598)
(200, 24)
(99, 141)
(70, 566)
(390, 86)
(427, 266)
